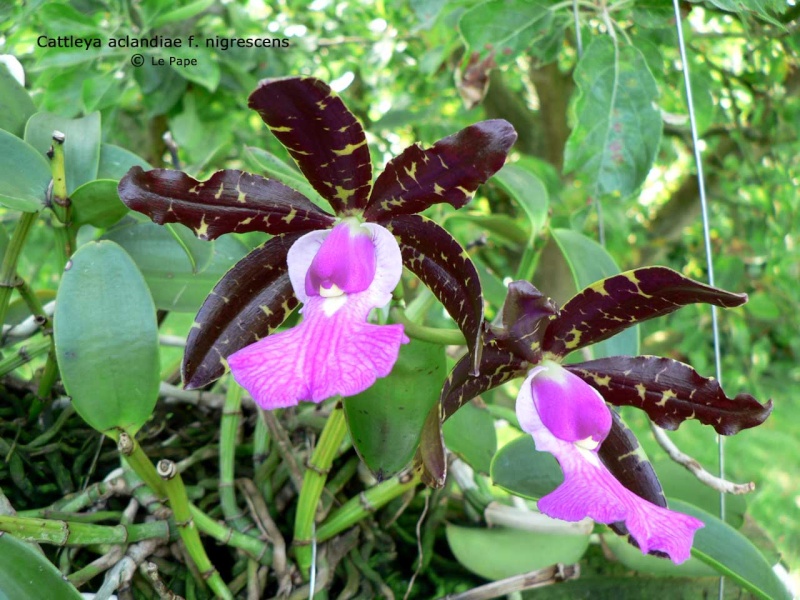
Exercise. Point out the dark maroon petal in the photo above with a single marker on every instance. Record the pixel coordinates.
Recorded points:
(608, 306)
(249, 302)
(449, 171)
(499, 364)
(670, 392)
(526, 315)
(444, 266)
(229, 202)
(321, 134)
(623, 456)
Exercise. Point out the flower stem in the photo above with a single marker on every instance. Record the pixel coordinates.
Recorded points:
(365, 504)
(231, 418)
(444, 337)
(24, 355)
(8, 267)
(179, 502)
(170, 484)
(61, 204)
(313, 483)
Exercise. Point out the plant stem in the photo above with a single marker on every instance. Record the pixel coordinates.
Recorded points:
(444, 337)
(254, 547)
(8, 267)
(365, 504)
(231, 418)
(61, 204)
(24, 355)
(179, 502)
(75, 533)
(313, 483)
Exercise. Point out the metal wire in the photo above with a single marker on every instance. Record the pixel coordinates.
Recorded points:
(707, 239)
(578, 39)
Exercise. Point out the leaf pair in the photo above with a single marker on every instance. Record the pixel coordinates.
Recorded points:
(330, 148)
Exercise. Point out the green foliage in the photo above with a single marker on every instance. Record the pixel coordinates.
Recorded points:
(106, 339)
(606, 124)
(385, 421)
(24, 573)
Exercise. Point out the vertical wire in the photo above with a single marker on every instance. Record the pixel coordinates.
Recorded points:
(312, 580)
(707, 239)
(578, 39)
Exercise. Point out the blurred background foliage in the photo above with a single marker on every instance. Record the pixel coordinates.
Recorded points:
(418, 70)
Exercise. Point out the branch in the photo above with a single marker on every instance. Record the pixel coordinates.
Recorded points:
(720, 485)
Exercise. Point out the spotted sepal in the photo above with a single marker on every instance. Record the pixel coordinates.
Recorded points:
(322, 135)
(440, 262)
(610, 305)
(228, 202)
(626, 460)
(499, 363)
(670, 392)
(249, 302)
(449, 171)
(526, 316)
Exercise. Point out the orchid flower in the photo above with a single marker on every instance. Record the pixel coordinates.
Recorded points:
(339, 266)
(563, 407)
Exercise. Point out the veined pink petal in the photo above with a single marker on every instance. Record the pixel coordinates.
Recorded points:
(590, 490)
(333, 350)
(323, 356)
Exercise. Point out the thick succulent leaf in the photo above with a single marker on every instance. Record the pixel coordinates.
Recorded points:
(434, 256)
(385, 420)
(611, 305)
(526, 314)
(499, 363)
(626, 460)
(229, 202)
(248, 303)
(449, 171)
(322, 136)
(670, 392)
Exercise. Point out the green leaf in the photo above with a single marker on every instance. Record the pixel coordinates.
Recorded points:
(167, 269)
(81, 148)
(101, 91)
(528, 191)
(733, 555)
(506, 27)
(501, 552)
(24, 573)
(386, 420)
(107, 338)
(523, 471)
(471, 435)
(206, 70)
(115, 162)
(16, 105)
(275, 168)
(618, 129)
(182, 13)
(24, 175)
(587, 262)
(197, 251)
(97, 203)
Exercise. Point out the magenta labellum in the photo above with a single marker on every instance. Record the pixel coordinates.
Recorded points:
(569, 419)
